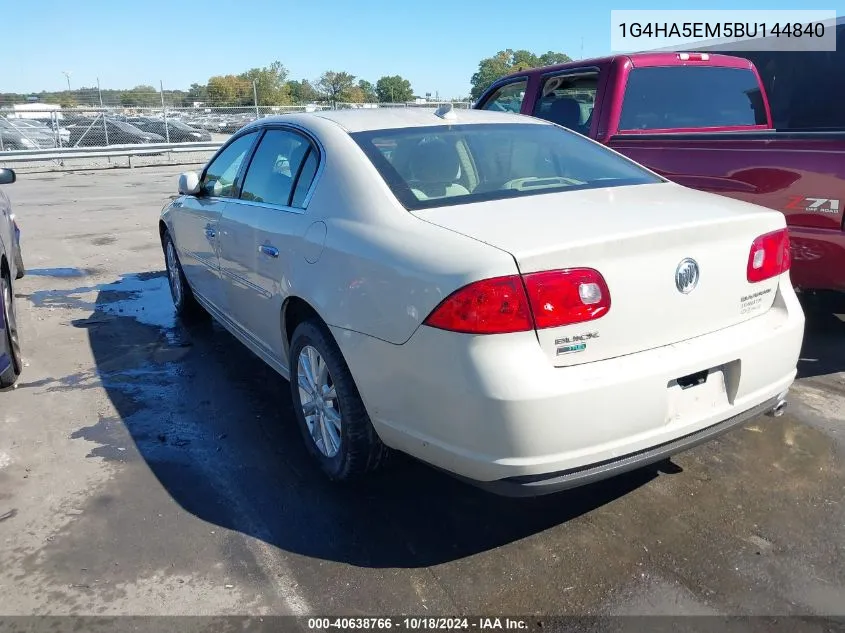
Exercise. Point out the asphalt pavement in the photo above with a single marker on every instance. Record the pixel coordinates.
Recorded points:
(150, 468)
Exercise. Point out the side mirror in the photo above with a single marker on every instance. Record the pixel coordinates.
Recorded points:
(7, 176)
(189, 183)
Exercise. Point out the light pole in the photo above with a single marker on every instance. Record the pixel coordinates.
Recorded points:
(67, 74)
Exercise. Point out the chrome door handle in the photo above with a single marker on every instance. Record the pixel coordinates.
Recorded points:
(268, 250)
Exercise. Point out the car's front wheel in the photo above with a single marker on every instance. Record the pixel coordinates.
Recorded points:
(331, 415)
(183, 297)
(11, 342)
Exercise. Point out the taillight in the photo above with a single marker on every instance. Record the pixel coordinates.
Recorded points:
(503, 304)
(564, 297)
(769, 256)
(491, 306)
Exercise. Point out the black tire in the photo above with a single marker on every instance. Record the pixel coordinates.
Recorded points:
(11, 340)
(360, 451)
(186, 304)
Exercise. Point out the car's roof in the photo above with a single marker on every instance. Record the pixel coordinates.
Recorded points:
(366, 119)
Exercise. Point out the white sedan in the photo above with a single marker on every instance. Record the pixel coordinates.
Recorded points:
(490, 293)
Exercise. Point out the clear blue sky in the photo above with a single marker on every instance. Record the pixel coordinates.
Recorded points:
(436, 44)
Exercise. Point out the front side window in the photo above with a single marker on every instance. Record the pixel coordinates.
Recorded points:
(274, 169)
(219, 178)
(568, 101)
(460, 164)
(508, 98)
(678, 97)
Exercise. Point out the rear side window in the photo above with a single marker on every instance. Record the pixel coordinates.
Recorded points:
(271, 174)
(691, 97)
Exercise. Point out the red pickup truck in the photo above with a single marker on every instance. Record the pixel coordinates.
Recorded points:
(702, 120)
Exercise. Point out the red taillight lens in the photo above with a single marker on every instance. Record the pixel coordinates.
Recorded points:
(491, 306)
(769, 256)
(501, 305)
(564, 297)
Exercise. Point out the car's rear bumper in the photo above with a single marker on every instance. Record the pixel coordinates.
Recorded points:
(494, 409)
(535, 485)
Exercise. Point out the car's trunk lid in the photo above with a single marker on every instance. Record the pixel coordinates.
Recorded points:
(636, 237)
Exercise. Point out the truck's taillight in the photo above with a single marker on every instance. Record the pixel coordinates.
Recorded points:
(491, 306)
(564, 297)
(769, 256)
(513, 304)
(697, 57)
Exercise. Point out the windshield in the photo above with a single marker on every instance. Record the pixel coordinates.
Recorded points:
(460, 164)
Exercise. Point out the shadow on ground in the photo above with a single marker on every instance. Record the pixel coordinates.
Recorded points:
(823, 351)
(215, 427)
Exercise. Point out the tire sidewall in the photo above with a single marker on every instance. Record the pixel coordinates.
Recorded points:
(180, 305)
(16, 365)
(308, 333)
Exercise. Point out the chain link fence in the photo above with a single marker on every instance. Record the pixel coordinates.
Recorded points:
(78, 127)
(52, 130)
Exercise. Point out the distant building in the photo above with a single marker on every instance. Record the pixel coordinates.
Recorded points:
(36, 111)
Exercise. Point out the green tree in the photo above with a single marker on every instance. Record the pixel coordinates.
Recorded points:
(229, 90)
(394, 89)
(551, 58)
(369, 91)
(197, 93)
(302, 91)
(270, 85)
(143, 96)
(355, 95)
(506, 62)
(335, 86)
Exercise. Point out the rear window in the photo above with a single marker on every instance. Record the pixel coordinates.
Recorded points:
(691, 97)
(460, 164)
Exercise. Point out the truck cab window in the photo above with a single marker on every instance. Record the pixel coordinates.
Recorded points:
(508, 98)
(568, 101)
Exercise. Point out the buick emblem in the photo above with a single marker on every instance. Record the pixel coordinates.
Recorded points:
(686, 276)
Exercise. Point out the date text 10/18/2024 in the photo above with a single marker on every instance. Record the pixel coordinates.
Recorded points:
(418, 623)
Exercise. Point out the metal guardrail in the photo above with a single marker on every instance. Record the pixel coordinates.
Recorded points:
(135, 149)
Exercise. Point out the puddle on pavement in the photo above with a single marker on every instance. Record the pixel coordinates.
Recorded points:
(61, 272)
(144, 297)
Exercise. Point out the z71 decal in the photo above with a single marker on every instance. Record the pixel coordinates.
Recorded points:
(812, 205)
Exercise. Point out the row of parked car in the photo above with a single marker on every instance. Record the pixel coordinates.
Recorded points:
(101, 130)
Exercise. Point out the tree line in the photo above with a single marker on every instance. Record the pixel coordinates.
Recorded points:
(272, 86)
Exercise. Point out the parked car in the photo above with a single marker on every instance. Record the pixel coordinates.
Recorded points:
(702, 120)
(36, 132)
(500, 297)
(94, 133)
(176, 131)
(11, 138)
(11, 268)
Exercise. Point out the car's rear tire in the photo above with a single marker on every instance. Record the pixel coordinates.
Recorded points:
(335, 425)
(11, 341)
(186, 304)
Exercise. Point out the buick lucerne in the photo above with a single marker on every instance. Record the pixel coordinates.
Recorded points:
(488, 292)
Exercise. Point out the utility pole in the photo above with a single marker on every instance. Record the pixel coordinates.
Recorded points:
(255, 97)
(164, 110)
(67, 74)
(103, 112)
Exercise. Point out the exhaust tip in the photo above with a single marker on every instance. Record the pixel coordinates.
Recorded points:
(779, 409)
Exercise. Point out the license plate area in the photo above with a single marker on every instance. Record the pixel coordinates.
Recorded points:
(702, 393)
